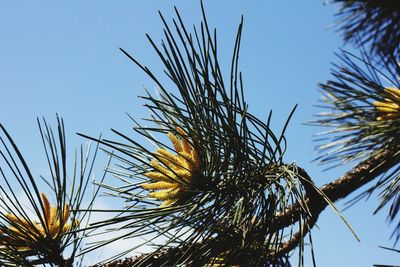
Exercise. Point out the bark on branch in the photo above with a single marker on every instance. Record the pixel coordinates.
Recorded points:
(357, 177)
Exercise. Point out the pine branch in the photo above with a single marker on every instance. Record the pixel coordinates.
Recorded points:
(249, 202)
(374, 23)
(340, 188)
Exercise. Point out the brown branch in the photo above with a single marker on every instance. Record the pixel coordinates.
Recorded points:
(357, 177)
(308, 224)
(294, 241)
(340, 188)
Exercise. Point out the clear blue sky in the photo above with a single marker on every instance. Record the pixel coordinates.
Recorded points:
(62, 57)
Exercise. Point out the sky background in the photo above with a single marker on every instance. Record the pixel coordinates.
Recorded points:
(63, 57)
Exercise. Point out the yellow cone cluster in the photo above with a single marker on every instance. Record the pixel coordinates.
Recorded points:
(23, 234)
(173, 172)
(390, 108)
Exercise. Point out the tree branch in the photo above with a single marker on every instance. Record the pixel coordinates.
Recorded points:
(340, 188)
(357, 177)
